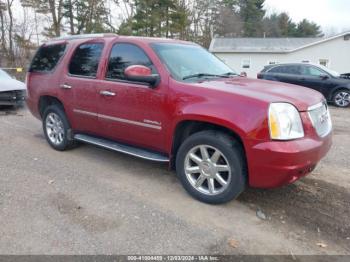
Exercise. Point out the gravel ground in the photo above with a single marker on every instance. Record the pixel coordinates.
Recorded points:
(92, 201)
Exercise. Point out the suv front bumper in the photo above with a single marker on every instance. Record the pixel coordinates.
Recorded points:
(275, 163)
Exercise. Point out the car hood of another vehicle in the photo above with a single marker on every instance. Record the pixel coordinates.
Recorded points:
(345, 78)
(268, 91)
(11, 85)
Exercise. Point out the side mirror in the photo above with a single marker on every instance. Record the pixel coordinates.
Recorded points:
(324, 77)
(140, 73)
(243, 74)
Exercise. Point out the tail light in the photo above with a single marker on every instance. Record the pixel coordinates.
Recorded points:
(259, 76)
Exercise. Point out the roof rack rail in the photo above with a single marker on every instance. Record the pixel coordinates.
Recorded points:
(83, 36)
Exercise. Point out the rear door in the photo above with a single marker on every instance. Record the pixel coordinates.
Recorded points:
(80, 86)
(313, 77)
(132, 112)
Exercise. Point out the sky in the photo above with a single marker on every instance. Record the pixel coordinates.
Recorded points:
(332, 15)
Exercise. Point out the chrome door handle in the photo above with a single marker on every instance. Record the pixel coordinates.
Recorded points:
(65, 86)
(107, 93)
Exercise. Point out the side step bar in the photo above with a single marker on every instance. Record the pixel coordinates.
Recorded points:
(114, 146)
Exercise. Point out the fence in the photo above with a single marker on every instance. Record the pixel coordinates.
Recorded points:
(17, 72)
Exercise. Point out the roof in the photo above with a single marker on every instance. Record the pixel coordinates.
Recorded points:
(84, 37)
(265, 45)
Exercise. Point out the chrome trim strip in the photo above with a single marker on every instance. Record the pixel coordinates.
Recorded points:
(126, 121)
(116, 119)
(77, 137)
(84, 112)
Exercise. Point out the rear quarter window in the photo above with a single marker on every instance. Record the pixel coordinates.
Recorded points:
(277, 70)
(290, 70)
(47, 58)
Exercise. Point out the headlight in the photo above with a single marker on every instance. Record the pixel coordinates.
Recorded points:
(285, 122)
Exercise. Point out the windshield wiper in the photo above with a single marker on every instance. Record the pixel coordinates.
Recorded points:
(230, 74)
(203, 75)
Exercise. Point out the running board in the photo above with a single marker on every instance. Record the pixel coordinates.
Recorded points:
(114, 146)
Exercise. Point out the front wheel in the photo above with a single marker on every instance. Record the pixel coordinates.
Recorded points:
(211, 167)
(342, 98)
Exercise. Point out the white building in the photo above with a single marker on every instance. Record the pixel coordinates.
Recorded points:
(250, 55)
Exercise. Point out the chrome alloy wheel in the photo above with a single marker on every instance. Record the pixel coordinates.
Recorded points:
(54, 128)
(207, 170)
(342, 99)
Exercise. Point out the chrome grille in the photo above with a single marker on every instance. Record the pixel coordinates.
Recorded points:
(321, 119)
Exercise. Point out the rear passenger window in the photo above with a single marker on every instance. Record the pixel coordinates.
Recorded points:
(290, 70)
(124, 55)
(47, 58)
(85, 60)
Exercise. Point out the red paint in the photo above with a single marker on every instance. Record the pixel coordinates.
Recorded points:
(239, 104)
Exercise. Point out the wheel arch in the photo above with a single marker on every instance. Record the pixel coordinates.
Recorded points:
(47, 100)
(188, 127)
(335, 90)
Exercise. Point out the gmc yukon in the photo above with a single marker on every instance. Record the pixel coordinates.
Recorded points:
(172, 101)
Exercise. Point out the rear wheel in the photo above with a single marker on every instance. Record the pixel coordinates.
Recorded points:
(56, 128)
(211, 167)
(342, 98)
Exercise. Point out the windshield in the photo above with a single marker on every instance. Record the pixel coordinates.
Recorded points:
(190, 62)
(329, 71)
(4, 75)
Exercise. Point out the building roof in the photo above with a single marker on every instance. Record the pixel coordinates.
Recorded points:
(265, 45)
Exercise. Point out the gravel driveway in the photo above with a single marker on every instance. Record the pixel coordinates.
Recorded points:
(92, 201)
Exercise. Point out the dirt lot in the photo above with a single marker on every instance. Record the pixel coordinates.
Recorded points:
(92, 201)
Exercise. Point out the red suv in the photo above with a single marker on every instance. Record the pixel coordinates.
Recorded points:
(172, 101)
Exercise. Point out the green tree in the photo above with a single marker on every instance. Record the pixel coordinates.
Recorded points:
(252, 13)
(279, 25)
(87, 16)
(308, 29)
(286, 26)
(156, 18)
(228, 21)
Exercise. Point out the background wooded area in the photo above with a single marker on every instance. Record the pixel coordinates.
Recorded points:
(26, 23)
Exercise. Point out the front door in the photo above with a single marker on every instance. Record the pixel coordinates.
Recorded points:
(131, 112)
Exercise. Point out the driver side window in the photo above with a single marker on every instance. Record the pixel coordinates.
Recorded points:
(124, 55)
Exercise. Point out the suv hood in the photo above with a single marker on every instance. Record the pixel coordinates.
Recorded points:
(301, 97)
(11, 85)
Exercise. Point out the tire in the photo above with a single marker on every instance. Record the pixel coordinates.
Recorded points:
(341, 98)
(224, 157)
(57, 128)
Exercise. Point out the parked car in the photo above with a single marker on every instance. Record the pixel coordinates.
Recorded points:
(12, 92)
(172, 101)
(336, 89)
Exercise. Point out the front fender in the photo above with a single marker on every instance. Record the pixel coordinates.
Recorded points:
(246, 121)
